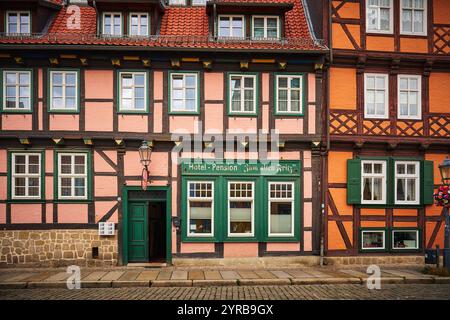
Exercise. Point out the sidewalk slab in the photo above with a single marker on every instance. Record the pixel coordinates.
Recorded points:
(281, 274)
(164, 275)
(317, 280)
(229, 275)
(299, 274)
(47, 285)
(19, 277)
(196, 275)
(58, 277)
(112, 275)
(172, 283)
(94, 276)
(388, 280)
(13, 285)
(148, 275)
(442, 280)
(213, 283)
(248, 275)
(179, 275)
(264, 282)
(263, 274)
(213, 275)
(130, 275)
(96, 284)
(129, 284)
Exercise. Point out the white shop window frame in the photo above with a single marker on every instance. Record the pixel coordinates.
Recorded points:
(266, 27)
(230, 19)
(416, 176)
(25, 175)
(72, 176)
(252, 199)
(291, 199)
(112, 14)
(419, 96)
(417, 247)
(372, 175)
(17, 13)
(391, 19)
(189, 198)
(386, 95)
(424, 32)
(372, 231)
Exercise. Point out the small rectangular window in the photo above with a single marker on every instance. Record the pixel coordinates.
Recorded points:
(373, 239)
(231, 26)
(242, 94)
(112, 24)
(379, 16)
(26, 176)
(281, 209)
(200, 213)
(240, 208)
(177, 2)
(405, 239)
(72, 176)
(139, 24)
(289, 94)
(409, 97)
(18, 22)
(198, 2)
(184, 92)
(16, 90)
(407, 182)
(413, 17)
(265, 27)
(376, 94)
(63, 90)
(373, 179)
(133, 88)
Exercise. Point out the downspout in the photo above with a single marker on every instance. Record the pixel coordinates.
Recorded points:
(94, 5)
(215, 21)
(327, 138)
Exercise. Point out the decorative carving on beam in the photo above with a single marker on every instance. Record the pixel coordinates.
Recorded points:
(88, 141)
(146, 62)
(282, 65)
(175, 63)
(427, 68)
(118, 141)
(207, 64)
(84, 61)
(53, 61)
(361, 64)
(395, 66)
(392, 145)
(424, 146)
(19, 60)
(58, 141)
(244, 65)
(25, 141)
(318, 66)
(115, 62)
(358, 144)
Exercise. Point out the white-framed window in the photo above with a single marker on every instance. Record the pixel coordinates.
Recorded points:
(409, 97)
(373, 180)
(403, 239)
(26, 176)
(133, 88)
(139, 24)
(184, 92)
(16, 90)
(243, 93)
(112, 24)
(18, 22)
(373, 239)
(289, 93)
(241, 208)
(72, 176)
(63, 90)
(231, 26)
(265, 27)
(379, 16)
(413, 17)
(281, 209)
(198, 2)
(407, 182)
(376, 95)
(177, 2)
(200, 213)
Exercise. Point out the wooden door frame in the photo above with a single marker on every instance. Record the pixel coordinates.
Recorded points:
(124, 221)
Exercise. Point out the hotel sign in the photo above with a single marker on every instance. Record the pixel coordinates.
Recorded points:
(241, 168)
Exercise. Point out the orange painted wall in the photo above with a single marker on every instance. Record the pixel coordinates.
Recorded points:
(414, 45)
(348, 10)
(441, 11)
(376, 43)
(337, 166)
(439, 97)
(343, 88)
(340, 38)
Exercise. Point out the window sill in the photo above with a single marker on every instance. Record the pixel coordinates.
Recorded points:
(390, 206)
(379, 33)
(281, 114)
(63, 111)
(184, 113)
(125, 112)
(25, 201)
(72, 201)
(254, 115)
(28, 111)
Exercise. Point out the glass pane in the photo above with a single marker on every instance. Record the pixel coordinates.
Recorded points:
(10, 78)
(190, 81)
(378, 168)
(240, 217)
(411, 169)
(24, 103)
(57, 78)
(295, 83)
(295, 105)
(400, 168)
(407, 20)
(200, 216)
(177, 94)
(411, 187)
(367, 189)
(403, 83)
(401, 189)
(258, 32)
(282, 82)
(19, 166)
(418, 4)
(190, 105)
(280, 217)
(258, 22)
(66, 162)
(413, 84)
(57, 91)
(377, 189)
(139, 92)
(372, 239)
(139, 104)
(70, 91)
(33, 164)
(24, 78)
(418, 21)
(405, 239)
(248, 82)
(367, 168)
(384, 19)
(139, 79)
(236, 95)
(295, 95)
(127, 80)
(71, 78)
(190, 94)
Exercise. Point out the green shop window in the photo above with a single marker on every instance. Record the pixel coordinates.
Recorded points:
(390, 239)
(200, 205)
(389, 182)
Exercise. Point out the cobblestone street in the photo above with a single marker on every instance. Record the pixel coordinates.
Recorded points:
(294, 292)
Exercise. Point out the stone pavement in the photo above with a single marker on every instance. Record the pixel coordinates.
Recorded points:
(179, 277)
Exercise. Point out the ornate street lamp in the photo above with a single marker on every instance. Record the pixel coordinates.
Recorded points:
(444, 169)
(145, 152)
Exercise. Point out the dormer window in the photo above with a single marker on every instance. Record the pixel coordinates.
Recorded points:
(177, 2)
(265, 27)
(231, 26)
(18, 22)
(139, 25)
(112, 24)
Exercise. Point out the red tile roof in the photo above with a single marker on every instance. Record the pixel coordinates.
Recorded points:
(181, 27)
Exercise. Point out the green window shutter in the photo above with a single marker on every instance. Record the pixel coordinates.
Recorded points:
(427, 182)
(354, 181)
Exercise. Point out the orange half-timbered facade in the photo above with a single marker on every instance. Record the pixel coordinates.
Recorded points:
(388, 125)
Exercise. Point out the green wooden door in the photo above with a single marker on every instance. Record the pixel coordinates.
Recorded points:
(137, 232)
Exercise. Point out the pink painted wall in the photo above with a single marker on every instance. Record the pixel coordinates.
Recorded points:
(102, 207)
(105, 186)
(289, 125)
(133, 123)
(100, 165)
(213, 118)
(306, 159)
(311, 87)
(156, 168)
(265, 87)
(311, 119)
(2, 213)
(157, 117)
(158, 85)
(265, 118)
(40, 116)
(240, 250)
(99, 116)
(49, 213)
(290, 155)
(3, 187)
(26, 213)
(283, 246)
(49, 161)
(307, 240)
(132, 163)
(307, 214)
(99, 84)
(64, 122)
(3, 160)
(213, 85)
(17, 122)
(242, 124)
(72, 213)
(49, 188)
(197, 247)
(307, 184)
(183, 124)
(40, 83)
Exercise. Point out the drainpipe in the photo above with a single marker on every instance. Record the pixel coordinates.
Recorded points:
(215, 21)
(327, 137)
(94, 5)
